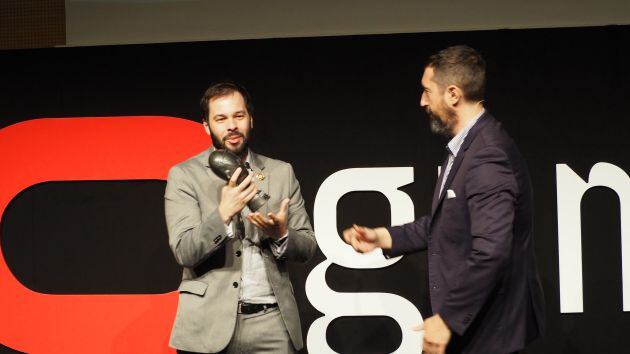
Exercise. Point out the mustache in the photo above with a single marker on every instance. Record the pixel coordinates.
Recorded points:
(232, 135)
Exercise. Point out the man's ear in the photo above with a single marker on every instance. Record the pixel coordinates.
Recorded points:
(453, 95)
(206, 127)
(251, 122)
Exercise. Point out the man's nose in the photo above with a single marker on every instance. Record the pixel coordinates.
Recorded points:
(423, 100)
(231, 124)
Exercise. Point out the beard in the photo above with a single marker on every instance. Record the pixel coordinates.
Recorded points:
(240, 150)
(442, 122)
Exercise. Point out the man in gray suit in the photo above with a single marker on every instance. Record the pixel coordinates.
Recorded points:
(235, 295)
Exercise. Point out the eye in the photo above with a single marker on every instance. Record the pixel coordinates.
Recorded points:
(219, 119)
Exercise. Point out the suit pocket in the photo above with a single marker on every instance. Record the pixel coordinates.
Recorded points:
(453, 222)
(190, 310)
(193, 287)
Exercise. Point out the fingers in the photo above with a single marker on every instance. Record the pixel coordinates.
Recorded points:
(234, 178)
(365, 235)
(255, 221)
(284, 207)
(359, 230)
(269, 227)
(235, 197)
(433, 348)
(354, 242)
(352, 237)
(244, 184)
(347, 235)
(284, 210)
(259, 220)
(273, 218)
(247, 182)
(251, 219)
(249, 193)
(436, 335)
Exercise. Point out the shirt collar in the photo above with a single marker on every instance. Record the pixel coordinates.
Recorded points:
(456, 142)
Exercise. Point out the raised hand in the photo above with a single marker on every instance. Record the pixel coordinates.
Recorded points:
(274, 225)
(235, 197)
(364, 239)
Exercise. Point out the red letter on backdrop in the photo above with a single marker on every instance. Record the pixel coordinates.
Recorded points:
(74, 149)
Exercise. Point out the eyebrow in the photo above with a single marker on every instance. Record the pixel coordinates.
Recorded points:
(223, 115)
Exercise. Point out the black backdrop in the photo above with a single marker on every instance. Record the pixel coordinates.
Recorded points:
(326, 104)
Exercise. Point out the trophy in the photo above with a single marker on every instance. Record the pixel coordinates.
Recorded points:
(223, 163)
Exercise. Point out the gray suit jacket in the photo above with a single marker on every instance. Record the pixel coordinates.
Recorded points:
(208, 294)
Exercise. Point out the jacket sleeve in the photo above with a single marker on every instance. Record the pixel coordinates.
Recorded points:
(301, 244)
(191, 239)
(409, 237)
(491, 191)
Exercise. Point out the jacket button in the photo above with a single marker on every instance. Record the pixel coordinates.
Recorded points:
(238, 253)
(235, 284)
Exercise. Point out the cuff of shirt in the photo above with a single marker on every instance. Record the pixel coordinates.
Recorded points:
(229, 231)
(280, 245)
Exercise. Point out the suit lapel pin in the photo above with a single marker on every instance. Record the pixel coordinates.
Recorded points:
(259, 176)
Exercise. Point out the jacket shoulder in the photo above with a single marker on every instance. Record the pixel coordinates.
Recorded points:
(494, 135)
(193, 163)
(272, 164)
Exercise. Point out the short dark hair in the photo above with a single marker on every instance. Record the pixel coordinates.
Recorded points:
(221, 89)
(462, 66)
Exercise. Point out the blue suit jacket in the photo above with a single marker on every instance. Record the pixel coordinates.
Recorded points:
(483, 278)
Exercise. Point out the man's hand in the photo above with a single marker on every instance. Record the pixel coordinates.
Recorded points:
(364, 239)
(436, 335)
(275, 225)
(234, 198)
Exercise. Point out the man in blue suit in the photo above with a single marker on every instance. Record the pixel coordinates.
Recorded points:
(485, 291)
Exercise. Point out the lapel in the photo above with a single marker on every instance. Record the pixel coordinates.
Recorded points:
(258, 166)
(472, 134)
(436, 197)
